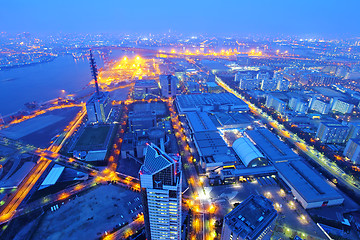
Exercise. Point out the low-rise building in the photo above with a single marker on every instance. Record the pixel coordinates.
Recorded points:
(309, 188)
(252, 219)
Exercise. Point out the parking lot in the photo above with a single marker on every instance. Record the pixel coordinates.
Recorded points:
(292, 218)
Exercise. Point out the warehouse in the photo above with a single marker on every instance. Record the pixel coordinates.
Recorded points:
(248, 153)
(206, 102)
(271, 146)
(309, 188)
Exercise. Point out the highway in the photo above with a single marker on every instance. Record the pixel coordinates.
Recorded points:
(8, 210)
(318, 157)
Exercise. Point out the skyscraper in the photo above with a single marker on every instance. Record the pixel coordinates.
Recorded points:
(160, 179)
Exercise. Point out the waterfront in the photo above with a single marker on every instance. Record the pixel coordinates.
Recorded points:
(45, 81)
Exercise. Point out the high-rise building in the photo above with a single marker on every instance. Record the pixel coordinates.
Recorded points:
(319, 106)
(249, 83)
(168, 85)
(252, 219)
(282, 84)
(268, 84)
(276, 103)
(332, 132)
(160, 179)
(298, 105)
(352, 150)
(98, 106)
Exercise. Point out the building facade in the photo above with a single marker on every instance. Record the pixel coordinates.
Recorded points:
(275, 103)
(341, 106)
(168, 85)
(352, 150)
(332, 132)
(98, 107)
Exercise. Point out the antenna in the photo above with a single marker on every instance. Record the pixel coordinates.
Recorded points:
(94, 72)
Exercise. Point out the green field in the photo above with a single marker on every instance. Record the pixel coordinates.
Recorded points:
(93, 136)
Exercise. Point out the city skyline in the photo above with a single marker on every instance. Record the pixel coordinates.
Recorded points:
(305, 18)
(164, 120)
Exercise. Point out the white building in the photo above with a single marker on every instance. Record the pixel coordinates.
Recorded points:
(319, 106)
(298, 105)
(282, 84)
(160, 179)
(341, 106)
(249, 83)
(268, 84)
(276, 103)
(352, 150)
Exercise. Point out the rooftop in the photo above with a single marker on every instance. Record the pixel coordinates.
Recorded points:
(209, 99)
(248, 153)
(94, 138)
(231, 119)
(251, 217)
(310, 185)
(210, 143)
(334, 124)
(200, 121)
(270, 145)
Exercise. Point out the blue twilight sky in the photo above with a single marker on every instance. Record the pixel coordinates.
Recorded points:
(322, 17)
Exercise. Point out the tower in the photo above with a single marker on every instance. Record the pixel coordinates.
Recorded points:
(98, 106)
(160, 179)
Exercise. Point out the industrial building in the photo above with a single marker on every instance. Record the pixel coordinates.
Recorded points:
(309, 188)
(332, 132)
(231, 120)
(306, 185)
(249, 155)
(200, 122)
(352, 150)
(140, 121)
(143, 88)
(210, 102)
(252, 219)
(160, 180)
(231, 175)
(270, 145)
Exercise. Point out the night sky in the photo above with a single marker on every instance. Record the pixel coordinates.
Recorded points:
(321, 17)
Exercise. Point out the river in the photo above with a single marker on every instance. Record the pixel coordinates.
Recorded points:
(44, 81)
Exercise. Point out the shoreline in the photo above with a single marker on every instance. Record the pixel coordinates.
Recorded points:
(50, 59)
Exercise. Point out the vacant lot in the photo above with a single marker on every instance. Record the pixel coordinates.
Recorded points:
(90, 215)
